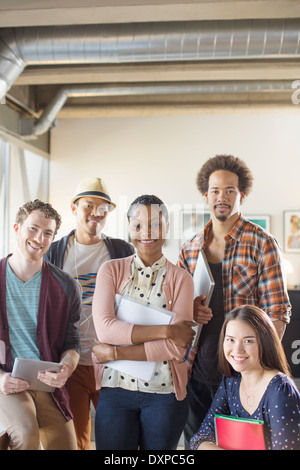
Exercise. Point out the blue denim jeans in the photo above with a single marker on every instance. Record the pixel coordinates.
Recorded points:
(128, 420)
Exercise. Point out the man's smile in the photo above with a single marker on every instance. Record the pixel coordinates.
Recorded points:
(34, 246)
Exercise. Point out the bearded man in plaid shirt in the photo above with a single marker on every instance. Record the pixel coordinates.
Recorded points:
(246, 264)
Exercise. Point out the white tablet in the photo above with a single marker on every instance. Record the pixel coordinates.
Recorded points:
(28, 369)
(203, 285)
(203, 280)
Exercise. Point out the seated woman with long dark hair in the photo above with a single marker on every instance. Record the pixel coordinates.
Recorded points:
(256, 382)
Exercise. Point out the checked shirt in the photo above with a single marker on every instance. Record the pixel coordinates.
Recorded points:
(251, 269)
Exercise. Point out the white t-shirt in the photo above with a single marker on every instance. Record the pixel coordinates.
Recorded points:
(83, 262)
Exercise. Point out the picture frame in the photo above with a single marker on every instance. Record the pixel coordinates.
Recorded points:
(291, 224)
(264, 221)
(192, 222)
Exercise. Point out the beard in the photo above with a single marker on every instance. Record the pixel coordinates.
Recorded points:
(222, 218)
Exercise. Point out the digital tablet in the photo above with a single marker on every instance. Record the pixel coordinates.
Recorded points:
(28, 369)
(204, 284)
(203, 280)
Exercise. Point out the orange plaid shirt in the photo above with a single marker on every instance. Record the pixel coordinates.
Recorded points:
(252, 268)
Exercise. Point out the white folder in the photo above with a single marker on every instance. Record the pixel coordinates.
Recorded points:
(132, 311)
(2, 352)
(203, 285)
(2, 430)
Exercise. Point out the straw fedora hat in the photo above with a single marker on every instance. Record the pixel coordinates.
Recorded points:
(93, 187)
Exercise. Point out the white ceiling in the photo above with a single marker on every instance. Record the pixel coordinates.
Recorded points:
(37, 84)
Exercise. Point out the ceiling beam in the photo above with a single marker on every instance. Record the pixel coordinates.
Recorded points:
(175, 109)
(37, 13)
(10, 125)
(241, 70)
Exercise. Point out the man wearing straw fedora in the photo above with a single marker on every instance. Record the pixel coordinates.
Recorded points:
(81, 253)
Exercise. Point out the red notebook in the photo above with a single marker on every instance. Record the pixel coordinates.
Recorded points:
(233, 433)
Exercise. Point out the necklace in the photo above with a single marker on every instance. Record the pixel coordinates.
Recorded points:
(250, 397)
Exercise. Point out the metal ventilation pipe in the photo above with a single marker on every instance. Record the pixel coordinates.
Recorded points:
(44, 123)
(11, 62)
(145, 42)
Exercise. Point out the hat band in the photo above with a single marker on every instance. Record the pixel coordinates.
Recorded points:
(93, 193)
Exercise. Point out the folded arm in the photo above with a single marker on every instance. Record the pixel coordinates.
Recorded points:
(149, 342)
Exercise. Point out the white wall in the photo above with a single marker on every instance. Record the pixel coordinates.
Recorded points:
(162, 154)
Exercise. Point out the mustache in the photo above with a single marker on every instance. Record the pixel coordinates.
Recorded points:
(222, 204)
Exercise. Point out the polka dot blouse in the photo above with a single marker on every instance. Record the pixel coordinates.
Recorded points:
(279, 408)
(146, 286)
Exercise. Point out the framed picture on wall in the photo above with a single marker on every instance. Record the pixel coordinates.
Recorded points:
(292, 231)
(192, 222)
(263, 221)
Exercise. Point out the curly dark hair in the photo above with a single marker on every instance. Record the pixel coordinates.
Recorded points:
(37, 205)
(228, 163)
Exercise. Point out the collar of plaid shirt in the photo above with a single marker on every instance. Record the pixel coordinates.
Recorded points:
(235, 232)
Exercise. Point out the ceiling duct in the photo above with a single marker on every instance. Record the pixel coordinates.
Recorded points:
(145, 42)
(44, 123)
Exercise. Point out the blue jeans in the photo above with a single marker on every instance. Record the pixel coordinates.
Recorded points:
(128, 420)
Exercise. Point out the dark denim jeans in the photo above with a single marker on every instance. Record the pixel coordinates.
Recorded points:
(128, 420)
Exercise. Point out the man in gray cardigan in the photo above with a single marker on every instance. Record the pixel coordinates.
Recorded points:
(81, 253)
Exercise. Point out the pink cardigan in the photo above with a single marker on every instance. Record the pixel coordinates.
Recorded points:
(178, 288)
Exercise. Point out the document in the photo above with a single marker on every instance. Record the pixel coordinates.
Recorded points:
(2, 430)
(2, 352)
(234, 433)
(28, 369)
(203, 285)
(135, 312)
